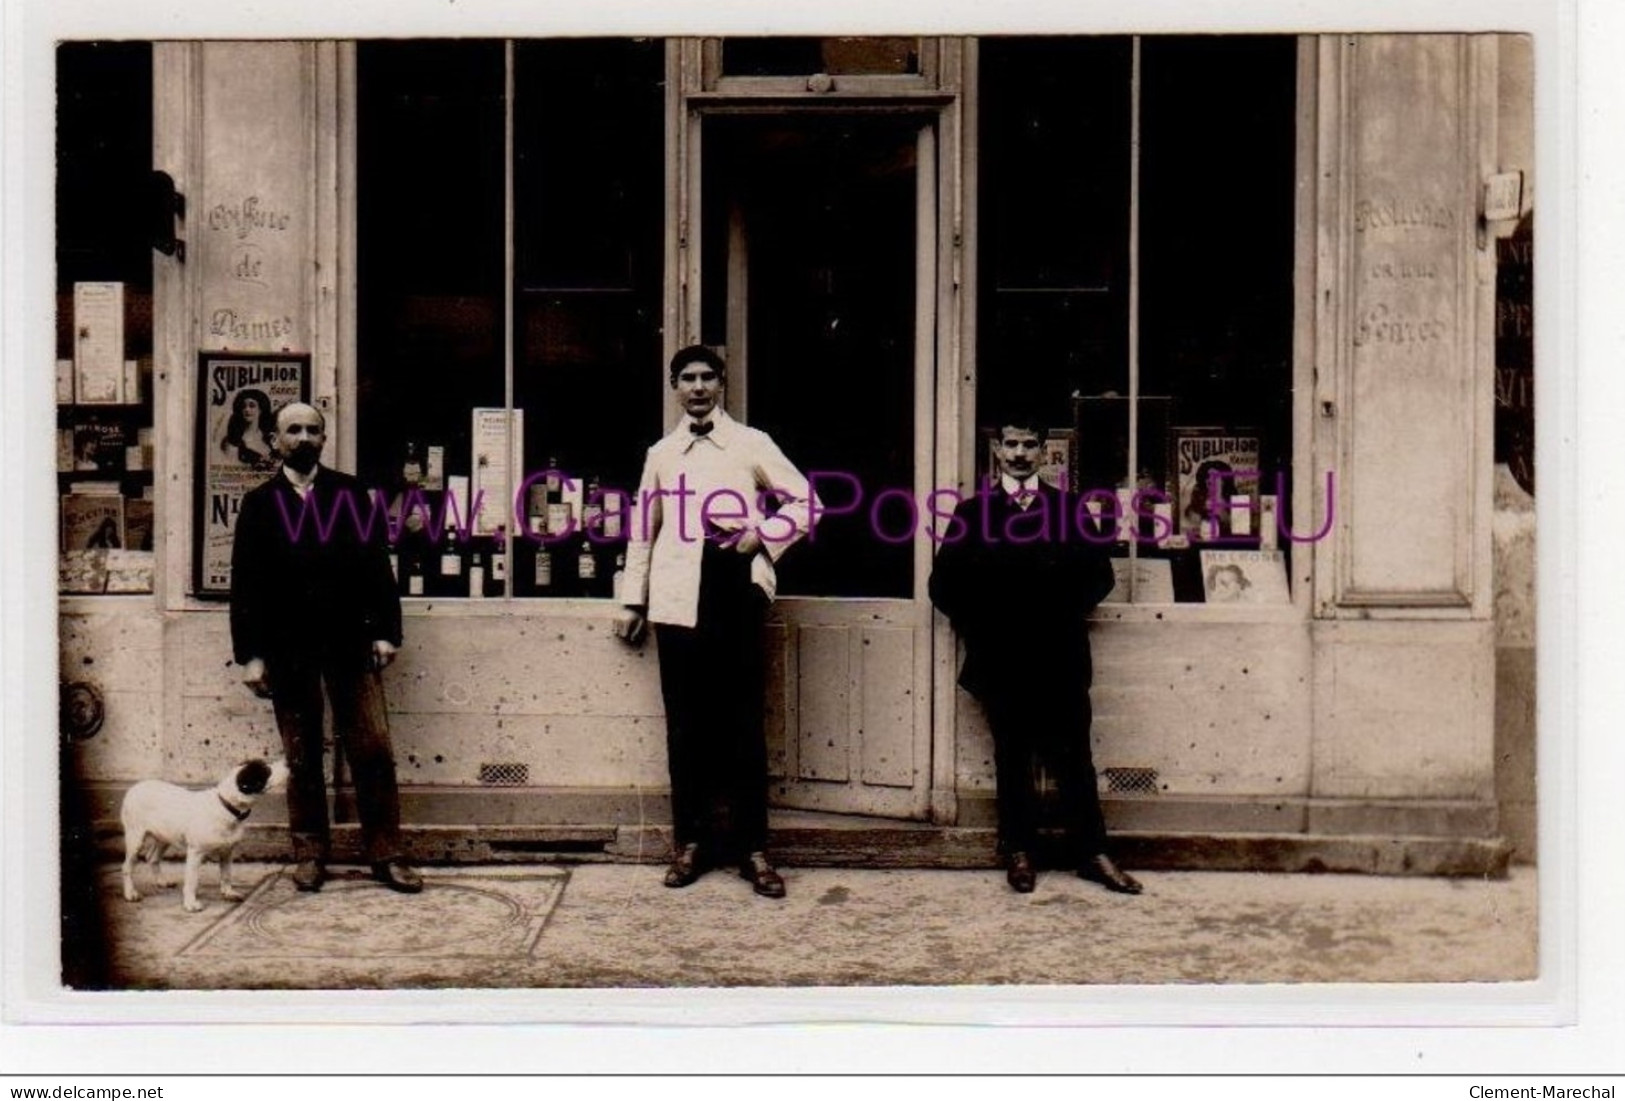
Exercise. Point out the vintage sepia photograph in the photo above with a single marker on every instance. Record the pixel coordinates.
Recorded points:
(927, 510)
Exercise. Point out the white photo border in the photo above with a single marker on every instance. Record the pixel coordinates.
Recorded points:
(1553, 1021)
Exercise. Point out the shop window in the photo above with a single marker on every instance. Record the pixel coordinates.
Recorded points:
(1137, 242)
(104, 316)
(552, 313)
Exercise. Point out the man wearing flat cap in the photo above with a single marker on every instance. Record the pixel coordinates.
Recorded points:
(717, 506)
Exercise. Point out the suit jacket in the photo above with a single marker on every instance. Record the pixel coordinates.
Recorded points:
(1020, 604)
(723, 478)
(295, 592)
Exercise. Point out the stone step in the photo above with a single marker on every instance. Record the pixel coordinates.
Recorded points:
(838, 841)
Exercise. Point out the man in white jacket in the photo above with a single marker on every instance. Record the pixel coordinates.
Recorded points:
(717, 506)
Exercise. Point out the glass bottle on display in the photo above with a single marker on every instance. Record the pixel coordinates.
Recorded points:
(535, 509)
(592, 509)
(592, 566)
(452, 572)
(412, 471)
(407, 522)
(542, 569)
(476, 571)
(414, 580)
(586, 566)
(496, 564)
(554, 520)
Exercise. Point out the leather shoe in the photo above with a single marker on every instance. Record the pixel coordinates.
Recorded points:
(309, 875)
(398, 875)
(685, 866)
(763, 879)
(1103, 870)
(1020, 874)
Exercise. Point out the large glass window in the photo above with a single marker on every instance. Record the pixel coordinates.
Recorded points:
(430, 171)
(104, 238)
(588, 194)
(1137, 259)
(549, 308)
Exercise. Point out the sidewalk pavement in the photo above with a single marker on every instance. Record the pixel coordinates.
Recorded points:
(614, 925)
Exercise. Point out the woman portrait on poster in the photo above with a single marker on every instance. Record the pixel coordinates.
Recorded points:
(249, 429)
(105, 537)
(1198, 519)
(1228, 584)
(87, 451)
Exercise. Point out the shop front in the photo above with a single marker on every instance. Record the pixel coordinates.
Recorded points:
(1248, 282)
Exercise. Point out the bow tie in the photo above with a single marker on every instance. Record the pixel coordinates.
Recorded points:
(700, 428)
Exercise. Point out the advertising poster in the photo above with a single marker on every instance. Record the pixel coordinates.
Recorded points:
(238, 396)
(98, 351)
(1153, 582)
(1244, 577)
(92, 521)
(498, 456)
(1208, 468)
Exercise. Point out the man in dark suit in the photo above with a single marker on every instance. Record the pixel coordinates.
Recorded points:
(1017, 577)
(313, 603)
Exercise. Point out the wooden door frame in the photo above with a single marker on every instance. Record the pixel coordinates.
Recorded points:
(942, 106)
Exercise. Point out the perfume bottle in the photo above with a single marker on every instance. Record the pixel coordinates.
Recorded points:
(542, 570)
(586, 569)
(452, 574)
(476, 573)
(414, 574)
(496, 571)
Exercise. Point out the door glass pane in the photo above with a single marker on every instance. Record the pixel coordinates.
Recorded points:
(824, 217)
(805, 56)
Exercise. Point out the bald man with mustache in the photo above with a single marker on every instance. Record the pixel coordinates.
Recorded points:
(315, 606)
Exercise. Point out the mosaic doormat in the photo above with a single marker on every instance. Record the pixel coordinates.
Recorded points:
(460, 915)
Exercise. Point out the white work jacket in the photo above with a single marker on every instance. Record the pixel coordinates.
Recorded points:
(729, 479)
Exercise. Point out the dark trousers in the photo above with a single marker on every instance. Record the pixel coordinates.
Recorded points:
(711, 681)
(360, 726)
(1048, 721)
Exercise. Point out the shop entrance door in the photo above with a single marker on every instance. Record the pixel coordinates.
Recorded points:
(818, 260)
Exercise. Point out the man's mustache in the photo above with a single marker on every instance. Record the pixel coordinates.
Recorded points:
(303, 457)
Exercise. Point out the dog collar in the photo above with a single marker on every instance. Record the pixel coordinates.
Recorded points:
(238, 813)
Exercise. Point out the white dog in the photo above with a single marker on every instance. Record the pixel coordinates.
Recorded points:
(157, 814)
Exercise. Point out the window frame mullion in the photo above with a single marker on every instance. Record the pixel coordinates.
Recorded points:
(508, 321)
(1134, 307)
